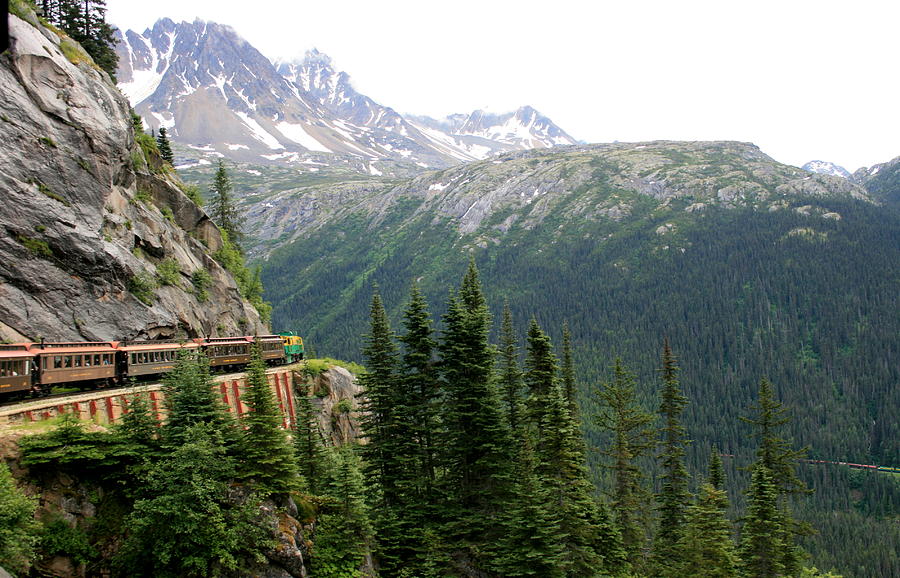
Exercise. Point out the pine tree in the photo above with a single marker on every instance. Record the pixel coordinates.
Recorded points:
(587, 535)
(775, 454)
(628, 424)
(421, 385)
(511, 376)
(139, 424)
(18, 528)
(716, 470)
(392, 454)
(673, 497)
(570, 387)
(477, 451)
(762, 545)
(165, 148)
(184, 522)
(705, 547)
(191, 398)
(266, 457)
(343, 530)
(222, 209)
(309, 445)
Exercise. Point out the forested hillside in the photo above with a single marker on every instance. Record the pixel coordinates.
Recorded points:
(801, 288)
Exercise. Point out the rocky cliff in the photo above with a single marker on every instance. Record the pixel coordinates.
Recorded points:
(97, 241)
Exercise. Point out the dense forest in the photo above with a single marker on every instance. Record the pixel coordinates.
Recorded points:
(808, 302)
(474, 465)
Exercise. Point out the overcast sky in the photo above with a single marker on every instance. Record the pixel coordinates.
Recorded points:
(803, 80)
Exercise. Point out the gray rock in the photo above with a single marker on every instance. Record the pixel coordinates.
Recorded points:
(83, 214)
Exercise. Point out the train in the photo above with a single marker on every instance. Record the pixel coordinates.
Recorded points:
(33, 369)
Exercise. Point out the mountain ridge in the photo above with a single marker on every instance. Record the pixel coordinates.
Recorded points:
(219, 96)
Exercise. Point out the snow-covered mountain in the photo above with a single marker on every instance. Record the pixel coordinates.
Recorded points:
(826, 168)
(219, 96)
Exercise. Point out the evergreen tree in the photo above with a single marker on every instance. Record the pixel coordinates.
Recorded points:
(343, 531)
(705, 547)
(392, 453)
(477, 452)
(184, 523)
(530, 545)
(421, 385)
(587, 535)
(774, 453)
(762, 545)
(191, 398)
(222, 208)
(138, 424)
(165, 148)
(570, 387)
(309, 447)
(266, 457)
(511, 376)
(716, 470)
(628, 424)
(85, 22)
(18, 528)
(673, 496)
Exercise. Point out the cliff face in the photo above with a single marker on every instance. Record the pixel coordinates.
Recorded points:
(87, 217)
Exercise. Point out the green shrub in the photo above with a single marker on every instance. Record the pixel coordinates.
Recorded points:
(200, 279)
(44, 189)
(193, 193)
(343, 406)
(167, 213)
(37, 247)
(60, 539)
(143, 286)
(168, 272)
(138, 162)
(47, 141)
(143, 196)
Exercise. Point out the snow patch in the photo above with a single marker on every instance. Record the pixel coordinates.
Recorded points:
(298, 134)
(234, 147)
(373, 171)
(259, 133)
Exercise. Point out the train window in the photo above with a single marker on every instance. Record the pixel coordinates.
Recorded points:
(96, 359)
(67, 361)
(107, 359)
(57, 362)
(2, 369)
(76, 361)
(87, 360)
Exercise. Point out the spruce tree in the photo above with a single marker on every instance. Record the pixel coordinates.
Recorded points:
(222, 208)
(343, 531)
(775, 454)
(762, 538)
(570, 387)
(673, 497)
(421, 385)
(309, 445)
(165, 148)
(511, 376)
(705, 547)
(629, 426)
(266, 457)
(184, 522)
(716, 470)
(589, 540)
(477, 451)
(191, 398)
(392, 453)
(138, 424)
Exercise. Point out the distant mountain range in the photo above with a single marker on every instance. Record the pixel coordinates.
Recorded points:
(219, 96)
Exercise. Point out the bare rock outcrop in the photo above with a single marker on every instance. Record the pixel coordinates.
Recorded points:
(88, 216)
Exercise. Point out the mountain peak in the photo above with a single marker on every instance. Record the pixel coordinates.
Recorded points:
(826, 168)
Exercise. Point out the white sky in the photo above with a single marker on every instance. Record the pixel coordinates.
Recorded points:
(802, 79)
